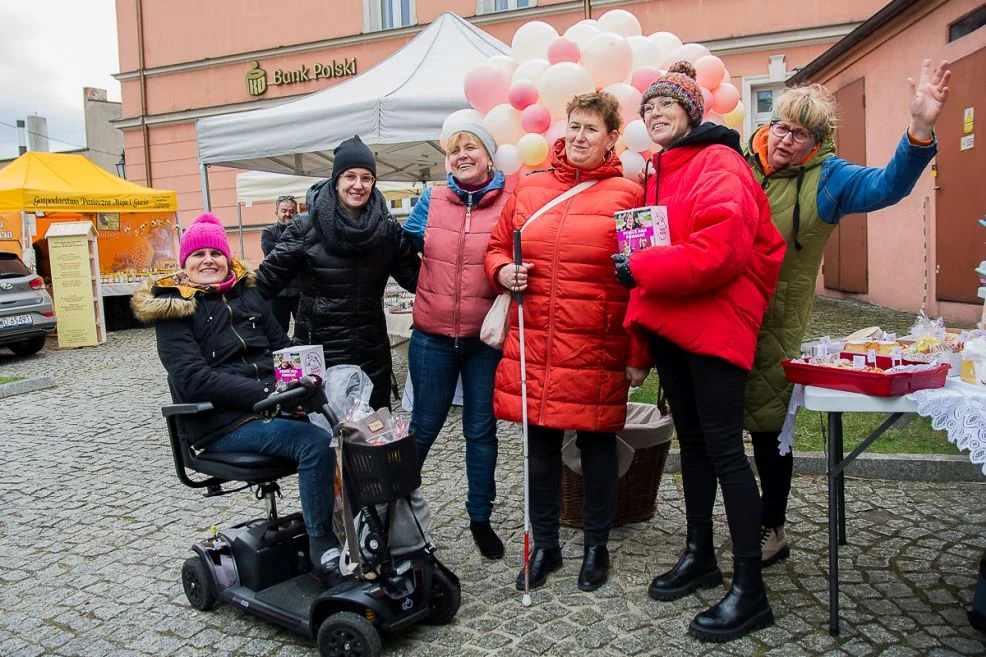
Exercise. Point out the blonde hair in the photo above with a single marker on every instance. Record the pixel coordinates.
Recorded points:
(463, 137)
(599, 102)
(811, 106)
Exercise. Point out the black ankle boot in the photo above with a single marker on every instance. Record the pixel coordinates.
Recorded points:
(595, 567)
(489, 544)
(543, 561)
(744, 609)
(696, 569)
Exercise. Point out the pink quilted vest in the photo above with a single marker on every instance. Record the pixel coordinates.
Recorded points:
(453, 294)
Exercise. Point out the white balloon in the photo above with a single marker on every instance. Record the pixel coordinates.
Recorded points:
(636, 137)
(531, 41)
(629, 98)
(507, 159)
(503, 123)
(621, 22)
(582, 32)
(560, 83)
(633, 164)
(458, 118)
(645, 52)
(667, 42)
(531, 71)
(504, 63)
(608, 58)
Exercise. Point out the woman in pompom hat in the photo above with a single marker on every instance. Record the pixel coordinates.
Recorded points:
(700, 301)
(216, 338)
(344, 250)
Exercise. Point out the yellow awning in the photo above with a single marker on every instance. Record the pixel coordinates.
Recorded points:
(53, 182)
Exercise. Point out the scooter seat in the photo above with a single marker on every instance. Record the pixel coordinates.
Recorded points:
(241, 466)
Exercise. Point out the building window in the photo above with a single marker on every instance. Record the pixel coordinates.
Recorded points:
(967, 24)
(493, 6)
(388, 14)
(763, 98)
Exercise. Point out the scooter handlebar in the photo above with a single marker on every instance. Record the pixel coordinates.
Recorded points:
(295, 392)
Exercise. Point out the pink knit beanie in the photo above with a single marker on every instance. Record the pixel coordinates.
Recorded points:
(206, 232)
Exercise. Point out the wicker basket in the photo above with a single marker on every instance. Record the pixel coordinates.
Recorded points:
(636, 493)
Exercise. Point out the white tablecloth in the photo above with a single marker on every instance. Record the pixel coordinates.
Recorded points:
(119, 289)
(959, 409)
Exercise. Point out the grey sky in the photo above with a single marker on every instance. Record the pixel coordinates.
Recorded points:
(49, 51)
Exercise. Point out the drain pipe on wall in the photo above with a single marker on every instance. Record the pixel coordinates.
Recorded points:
(145, 137)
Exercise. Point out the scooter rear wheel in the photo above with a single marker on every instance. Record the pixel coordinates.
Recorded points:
(345, 634)
(445, 599)
(197, 582)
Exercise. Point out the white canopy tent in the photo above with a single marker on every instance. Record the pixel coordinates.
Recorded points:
(397, 108)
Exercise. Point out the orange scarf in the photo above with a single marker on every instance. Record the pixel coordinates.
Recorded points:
(759, 147)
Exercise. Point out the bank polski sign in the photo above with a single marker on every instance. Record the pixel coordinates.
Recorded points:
(258, 79)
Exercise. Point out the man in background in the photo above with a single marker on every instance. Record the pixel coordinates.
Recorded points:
(285, 303)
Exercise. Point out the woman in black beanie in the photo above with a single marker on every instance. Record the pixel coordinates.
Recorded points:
(344, 250)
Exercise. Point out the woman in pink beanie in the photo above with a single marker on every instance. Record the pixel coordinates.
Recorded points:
(215, 337)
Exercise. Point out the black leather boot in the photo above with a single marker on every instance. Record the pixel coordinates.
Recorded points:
(489, 544)
(542, 561)
(595, 567)
(696, 569)
(744, 609)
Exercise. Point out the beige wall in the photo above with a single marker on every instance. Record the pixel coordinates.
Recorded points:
(182, 32)
(898, 242)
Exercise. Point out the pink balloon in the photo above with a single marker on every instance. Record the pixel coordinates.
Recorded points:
(556, 131)
(714, 117)
(644, 76)
(522, 94)
(724, 98)
(709, 70)
(486, 86)
(564, 50)
(535, 118)
(706, 98)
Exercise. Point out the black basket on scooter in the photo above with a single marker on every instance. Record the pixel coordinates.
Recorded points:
(383, 473)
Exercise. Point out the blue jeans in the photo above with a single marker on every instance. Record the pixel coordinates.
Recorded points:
(303, 443)
(435, 363)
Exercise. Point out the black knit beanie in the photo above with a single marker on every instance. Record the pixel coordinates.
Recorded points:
(351, 154)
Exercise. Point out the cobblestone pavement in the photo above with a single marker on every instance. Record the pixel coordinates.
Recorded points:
(95, 526)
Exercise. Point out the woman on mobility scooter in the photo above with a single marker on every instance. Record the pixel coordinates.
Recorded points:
(215, 337)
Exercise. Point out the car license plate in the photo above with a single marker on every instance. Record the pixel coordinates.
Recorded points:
(16, 320)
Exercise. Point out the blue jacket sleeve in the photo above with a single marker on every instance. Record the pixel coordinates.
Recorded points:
(416, 222)
(846, 188)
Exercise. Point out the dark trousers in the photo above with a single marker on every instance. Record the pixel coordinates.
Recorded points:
(282, 308)
(706, 396)
(775, 473)
(600, 475)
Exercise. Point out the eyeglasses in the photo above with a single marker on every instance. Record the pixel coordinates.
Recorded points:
(351, 178)
(285, 197)
(800, 135)
(664, 105)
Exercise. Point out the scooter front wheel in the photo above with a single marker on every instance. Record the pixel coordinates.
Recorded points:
(345, 634)
(197, 582)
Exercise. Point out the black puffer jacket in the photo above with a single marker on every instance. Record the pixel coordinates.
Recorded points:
(343, 281)
(268, 240)
(215, 347)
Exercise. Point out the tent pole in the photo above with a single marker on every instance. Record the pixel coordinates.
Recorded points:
(239, 220)
(587, 8)
(206, 200)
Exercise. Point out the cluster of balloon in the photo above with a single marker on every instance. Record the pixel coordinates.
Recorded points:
(521, 99)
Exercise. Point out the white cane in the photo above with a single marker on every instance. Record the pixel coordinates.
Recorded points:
(518, 263)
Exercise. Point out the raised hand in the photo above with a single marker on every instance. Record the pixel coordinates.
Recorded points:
(927, 98)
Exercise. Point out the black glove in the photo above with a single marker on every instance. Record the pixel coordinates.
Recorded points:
(623, 273)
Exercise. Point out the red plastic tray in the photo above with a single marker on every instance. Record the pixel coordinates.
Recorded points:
(867, 383)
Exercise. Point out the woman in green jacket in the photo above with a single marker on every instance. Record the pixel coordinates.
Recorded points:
(810, 191)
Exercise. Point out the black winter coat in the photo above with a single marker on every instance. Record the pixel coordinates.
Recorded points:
(268, 240)
(342, 285)
(215, 347)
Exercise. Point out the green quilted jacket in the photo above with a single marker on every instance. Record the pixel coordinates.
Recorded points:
(784, 324)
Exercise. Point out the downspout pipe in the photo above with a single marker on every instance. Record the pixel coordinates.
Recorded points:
(145, 136)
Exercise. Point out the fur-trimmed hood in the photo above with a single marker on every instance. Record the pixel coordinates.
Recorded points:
(164, 298)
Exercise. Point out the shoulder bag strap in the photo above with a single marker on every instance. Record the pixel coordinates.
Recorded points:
(561, 198)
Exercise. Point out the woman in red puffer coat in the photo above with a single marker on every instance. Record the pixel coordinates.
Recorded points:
(580, 360)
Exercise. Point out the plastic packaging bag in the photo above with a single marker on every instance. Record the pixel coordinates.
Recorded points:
(348, 391)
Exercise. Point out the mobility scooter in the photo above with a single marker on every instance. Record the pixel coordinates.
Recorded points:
(263, 565)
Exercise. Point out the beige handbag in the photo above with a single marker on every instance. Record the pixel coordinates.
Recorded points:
(496, 324)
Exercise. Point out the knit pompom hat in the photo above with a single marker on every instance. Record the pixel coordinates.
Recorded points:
(679, 83)
(206, 232)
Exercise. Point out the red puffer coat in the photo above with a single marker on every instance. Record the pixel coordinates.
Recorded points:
(707, 292)
(576, 347)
